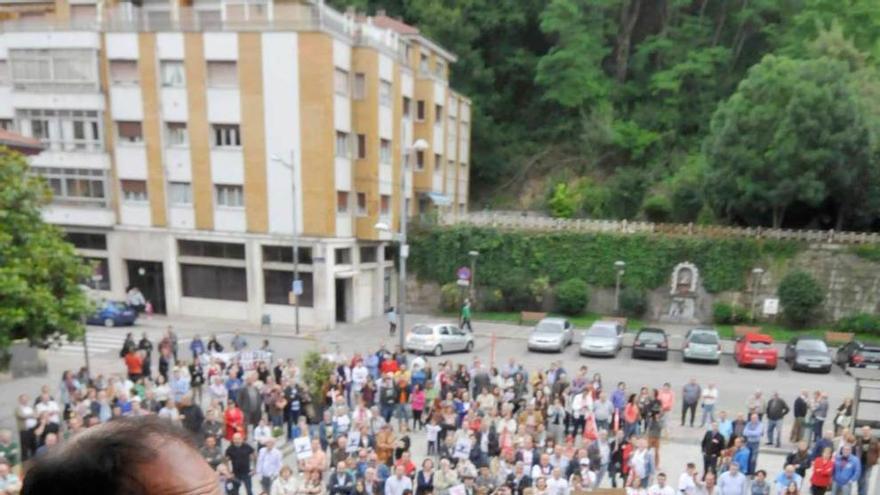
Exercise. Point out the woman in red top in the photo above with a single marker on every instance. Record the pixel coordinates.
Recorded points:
(631, 417)
(823, 467)
(234, 418)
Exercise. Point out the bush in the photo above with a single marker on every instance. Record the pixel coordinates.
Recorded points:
(316, 372)
(657, 208)
(860, 323)
(562, 202)
(538, 289)
(800, 296)
(451, 297)
(572, 296)
(490, 299)
(633, 302)
(729, 314)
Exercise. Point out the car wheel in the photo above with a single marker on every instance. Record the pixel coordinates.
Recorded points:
(666, 357)
(470, 347)
(108, 322)
(438, 351)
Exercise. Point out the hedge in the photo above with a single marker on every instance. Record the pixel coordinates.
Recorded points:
(510, 260)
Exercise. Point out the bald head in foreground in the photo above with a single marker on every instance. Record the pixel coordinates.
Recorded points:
(139, 456)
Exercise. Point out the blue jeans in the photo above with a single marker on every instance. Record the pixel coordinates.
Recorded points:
(708, 412)
(774, 426)
(753, 456)
(837, 489)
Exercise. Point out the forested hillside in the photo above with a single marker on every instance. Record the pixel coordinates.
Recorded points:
(762, 112)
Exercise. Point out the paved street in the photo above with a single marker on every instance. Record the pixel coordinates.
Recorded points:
(735, 384)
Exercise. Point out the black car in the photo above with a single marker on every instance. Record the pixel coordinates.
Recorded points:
(651, 343)
(858, 355)
(808, 354)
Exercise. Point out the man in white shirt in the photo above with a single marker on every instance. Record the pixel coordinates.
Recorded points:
(398, 483)
(557, 484)
(732, 482)
(710, 398)
(660, 487)
(269, 462)
(686, 482)
(359, 375)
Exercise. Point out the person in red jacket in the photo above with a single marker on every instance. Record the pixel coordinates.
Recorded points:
(823, 467)
(134, 361)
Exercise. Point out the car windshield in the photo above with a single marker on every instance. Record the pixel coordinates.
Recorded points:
(117, 305)
(704, 338)
(651, 337)
(759, 344)
(422, 330)
(548, 327)
(870, 354)
(601, 332)
(811, 345)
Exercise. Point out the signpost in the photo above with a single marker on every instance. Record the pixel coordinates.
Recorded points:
(771, 306)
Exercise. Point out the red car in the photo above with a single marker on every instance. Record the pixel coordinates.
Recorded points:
(756, 349)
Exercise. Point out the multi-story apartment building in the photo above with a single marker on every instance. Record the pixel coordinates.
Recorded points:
(185, 139)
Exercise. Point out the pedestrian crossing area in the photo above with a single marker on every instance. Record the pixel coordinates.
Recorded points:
(104, 342)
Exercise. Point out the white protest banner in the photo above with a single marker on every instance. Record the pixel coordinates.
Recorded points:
(462, 448)
(303, 447)
(354, 440)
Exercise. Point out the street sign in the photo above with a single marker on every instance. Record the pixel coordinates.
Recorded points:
(297, 287)
(463, 283)
(463, 273)
(771, 306)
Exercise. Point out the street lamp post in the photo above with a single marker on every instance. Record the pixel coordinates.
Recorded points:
(473, 289)
(295, 245)
(618, 266)
(403, 253)
(757, 275)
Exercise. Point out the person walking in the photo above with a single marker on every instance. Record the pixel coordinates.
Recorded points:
(823, 468)
(239, 457)
(466, 315)
(847, 471)
(690, 397)
(775, 410)
(391, 316)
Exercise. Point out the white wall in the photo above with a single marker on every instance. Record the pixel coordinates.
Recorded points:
(127, 103)
(79, 215)
(79, 159)
(182, 217)
(229, 219)
(343, 173)
(52, 39)
(221, 46)
(177, 164)
(363, 296)
(342, 113)
(122, 46)
(81, 101)
(174, 105)
(6, 110)
(131, 161)
(282, 128)
(227, 166)
(134, 214)
(224, 106)
(169, 46)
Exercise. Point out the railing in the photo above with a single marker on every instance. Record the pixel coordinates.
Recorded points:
(515, 221)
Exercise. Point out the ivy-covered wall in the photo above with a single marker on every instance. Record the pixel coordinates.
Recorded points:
(513, 259)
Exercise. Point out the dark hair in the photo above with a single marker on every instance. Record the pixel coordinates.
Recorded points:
(104, 459)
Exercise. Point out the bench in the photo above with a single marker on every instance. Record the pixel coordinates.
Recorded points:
(741, 331)
(617, 319)
(531, 317)
(838, 338)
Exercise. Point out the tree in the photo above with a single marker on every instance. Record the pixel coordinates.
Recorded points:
(562, 202)
(800, 296)
(791, 129)
(572, 296)
(40, 272)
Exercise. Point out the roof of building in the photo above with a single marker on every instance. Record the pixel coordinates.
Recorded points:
(19, 142)
(386, 22)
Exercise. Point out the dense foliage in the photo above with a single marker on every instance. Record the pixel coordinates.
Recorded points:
(572, 296)
(860, 323)
(616, 98)
(800, 296)
(729, 314)
(39, 270)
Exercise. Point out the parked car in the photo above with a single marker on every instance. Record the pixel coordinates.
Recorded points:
(603, 338)
(858, 355)
(437, 338)
(756, 349)
(113, 314)
(808, 354)
(651, 342)
(702, 344)
(551, 334)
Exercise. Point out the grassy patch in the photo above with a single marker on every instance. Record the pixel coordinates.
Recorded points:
(580, 322)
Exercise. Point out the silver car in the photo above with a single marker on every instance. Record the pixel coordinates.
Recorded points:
(702, 344)
(437, 338)
(551, 334)
(603, 338)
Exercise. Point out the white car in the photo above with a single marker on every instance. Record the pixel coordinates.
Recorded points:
(551, 334)
(603, 338)
(437, 338)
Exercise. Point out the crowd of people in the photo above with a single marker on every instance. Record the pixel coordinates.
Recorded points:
(390, 423)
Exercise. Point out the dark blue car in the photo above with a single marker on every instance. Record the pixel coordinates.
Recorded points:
(112, 314)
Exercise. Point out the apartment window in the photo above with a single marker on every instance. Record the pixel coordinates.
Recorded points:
(75, 185)
(361, 204)
(226, 135)
(124, 72)
(361, 146)
(134, 191)
(222, 74)
(385, 93)
(129, 132)
(407, 103)
(87, 240)
(384, 151)
(360, 86)
(230, 196)
(340, 82)
(6, 124)
(284, 254)
(203, 249)
(175, 134)
(180, 193)
(4, 72)
(99, 273)
(49, 69)
(438, 114)
(420, 160)
(368, 254)
(423, 63)
(63, 130)
(278, 285)
(214, 282)
(343, 148)
(420, 110)
(172, 74)
(438, 163)
(385, 205)
(342, 256)
(341, 201)
(440, 69)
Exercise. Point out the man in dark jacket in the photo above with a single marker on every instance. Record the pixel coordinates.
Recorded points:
(250, 401)
(800, 459)
(775, 410)
(145, 345)
(801, 408)
(341, 482)
(518, 481)
(712, 445)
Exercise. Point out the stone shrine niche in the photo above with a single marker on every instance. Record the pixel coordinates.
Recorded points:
(685, 277)
(683, 287)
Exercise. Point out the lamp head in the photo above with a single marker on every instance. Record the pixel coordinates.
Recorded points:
(474, 253)
(420, 145)
(382, 226)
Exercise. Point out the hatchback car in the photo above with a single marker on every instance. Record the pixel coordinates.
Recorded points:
(437, 338)
(858, 355)
(702, 344)
(551, 334)
(603, 338)
(756, 349)
(113, 314)
(808, 354)
(651, 342)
